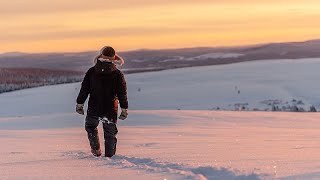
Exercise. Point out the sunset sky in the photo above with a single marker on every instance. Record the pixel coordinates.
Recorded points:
(71, 26)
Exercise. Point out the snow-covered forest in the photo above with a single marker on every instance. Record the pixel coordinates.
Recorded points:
(21, 78)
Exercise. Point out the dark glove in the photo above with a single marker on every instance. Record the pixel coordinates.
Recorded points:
(124, 114)
(79, 109)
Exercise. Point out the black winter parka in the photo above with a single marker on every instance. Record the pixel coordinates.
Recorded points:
(107, 87)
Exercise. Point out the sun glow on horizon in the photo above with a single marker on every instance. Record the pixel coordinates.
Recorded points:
(156, 26)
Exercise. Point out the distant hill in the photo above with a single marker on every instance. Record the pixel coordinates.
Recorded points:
(149, 60)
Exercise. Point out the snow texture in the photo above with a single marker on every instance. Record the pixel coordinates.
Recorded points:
(172, 132)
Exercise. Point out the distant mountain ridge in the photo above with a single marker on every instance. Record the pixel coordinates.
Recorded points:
(149, 60)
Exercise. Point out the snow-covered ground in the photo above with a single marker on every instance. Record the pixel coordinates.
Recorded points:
(42, 138)
(253, 85)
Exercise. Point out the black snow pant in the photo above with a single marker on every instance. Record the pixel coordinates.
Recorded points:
(110, 132)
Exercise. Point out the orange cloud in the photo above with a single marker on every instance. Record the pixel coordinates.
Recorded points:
(39, 27)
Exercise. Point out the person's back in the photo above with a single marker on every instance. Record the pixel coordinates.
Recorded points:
(106, 86)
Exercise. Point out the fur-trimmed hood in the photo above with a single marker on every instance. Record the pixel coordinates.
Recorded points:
(118, 60)
(104, 66)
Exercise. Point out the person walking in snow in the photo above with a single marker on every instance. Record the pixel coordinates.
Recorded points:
(107, 87)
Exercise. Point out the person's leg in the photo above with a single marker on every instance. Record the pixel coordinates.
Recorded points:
(110, 140)
(92, 130)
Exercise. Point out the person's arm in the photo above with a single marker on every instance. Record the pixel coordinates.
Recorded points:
(83, 94)
(122, 96)
(122, 91)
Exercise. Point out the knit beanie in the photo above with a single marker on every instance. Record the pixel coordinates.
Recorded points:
(108, 51)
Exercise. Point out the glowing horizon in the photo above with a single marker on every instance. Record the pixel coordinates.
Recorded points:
(31, 26)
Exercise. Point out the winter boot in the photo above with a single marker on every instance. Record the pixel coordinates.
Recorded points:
(96, 152)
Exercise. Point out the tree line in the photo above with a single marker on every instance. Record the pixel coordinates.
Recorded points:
(12, 79)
